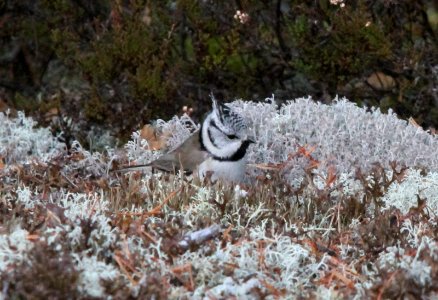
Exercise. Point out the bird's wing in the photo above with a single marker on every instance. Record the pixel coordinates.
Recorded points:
(186, 156)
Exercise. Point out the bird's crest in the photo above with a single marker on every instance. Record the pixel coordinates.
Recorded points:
(230, 122)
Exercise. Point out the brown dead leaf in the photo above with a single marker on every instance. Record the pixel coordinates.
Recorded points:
(3, 106)
(186, 270)
(149, 134)
(146, 16)
(273, 290)
(116, 17)
(331, 176)
(380, 81)
(348, 282)
(51, 114)
(413, 122)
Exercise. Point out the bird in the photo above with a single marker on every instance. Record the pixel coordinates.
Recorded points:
(217, 150)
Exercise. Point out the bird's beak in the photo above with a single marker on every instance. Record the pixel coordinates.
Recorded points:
(251, 139)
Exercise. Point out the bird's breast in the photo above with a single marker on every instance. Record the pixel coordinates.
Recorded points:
(233, 171)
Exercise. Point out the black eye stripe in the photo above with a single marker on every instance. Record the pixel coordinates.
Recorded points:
(230, 136)
(201, 140)
(211, 138)
(213, 124)
(221, 114)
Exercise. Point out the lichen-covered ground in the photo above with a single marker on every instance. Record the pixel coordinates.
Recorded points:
(340, 202)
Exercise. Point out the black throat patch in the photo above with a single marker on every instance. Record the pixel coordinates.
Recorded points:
(238, 155)
(201, 141)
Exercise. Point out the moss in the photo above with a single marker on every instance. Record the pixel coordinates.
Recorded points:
(21, 102)
(339, 46)
(95, 108)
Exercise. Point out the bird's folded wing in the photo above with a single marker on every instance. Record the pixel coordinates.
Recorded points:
(185, 157)
(166, 163)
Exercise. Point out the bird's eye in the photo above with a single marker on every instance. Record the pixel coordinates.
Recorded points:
(231, 136)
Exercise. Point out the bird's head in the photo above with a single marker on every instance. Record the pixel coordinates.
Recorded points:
(223, 133)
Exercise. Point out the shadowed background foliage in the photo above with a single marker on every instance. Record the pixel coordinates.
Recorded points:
(114, 64)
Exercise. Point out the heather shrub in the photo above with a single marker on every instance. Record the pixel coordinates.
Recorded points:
(97, 61)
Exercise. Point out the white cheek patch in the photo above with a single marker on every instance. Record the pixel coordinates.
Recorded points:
(217, 137)
(221, 147)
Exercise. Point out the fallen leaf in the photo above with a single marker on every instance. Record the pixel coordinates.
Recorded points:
(380, 81)
(413, 122)
(51, 114)
(149, 134)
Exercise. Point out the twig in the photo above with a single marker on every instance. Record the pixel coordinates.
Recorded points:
(180, 269)
(226, 235)
(157, 209)
(267, 167)
(348, 282)
(4, 290)
(121, 264)
(385, 285)
(154, 211)
(32, 237)
(198, 237)
(274, 291)
(149, 236)
(68, 180)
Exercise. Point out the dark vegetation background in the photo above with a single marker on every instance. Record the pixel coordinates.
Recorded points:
(114, 64)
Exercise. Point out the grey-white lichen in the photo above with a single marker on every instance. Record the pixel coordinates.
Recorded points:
(231, 240)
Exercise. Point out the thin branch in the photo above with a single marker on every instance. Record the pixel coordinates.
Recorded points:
(199, 237)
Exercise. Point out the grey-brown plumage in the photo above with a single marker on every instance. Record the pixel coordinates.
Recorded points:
(219, 148)
(187, 157)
